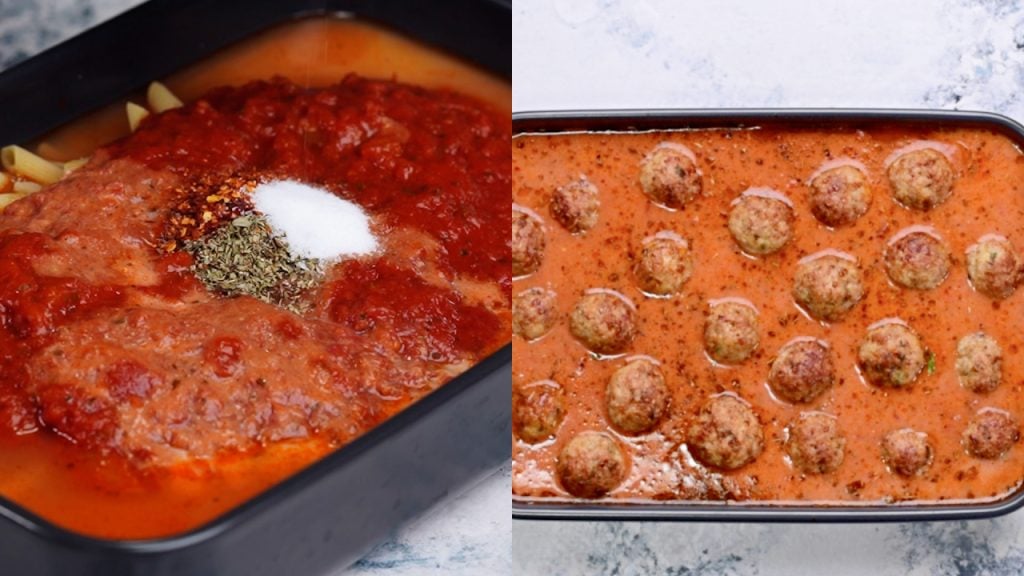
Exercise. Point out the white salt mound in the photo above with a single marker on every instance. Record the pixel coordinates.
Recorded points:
(316, 223)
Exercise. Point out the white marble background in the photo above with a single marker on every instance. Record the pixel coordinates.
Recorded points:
(466, 535)
(586, 54)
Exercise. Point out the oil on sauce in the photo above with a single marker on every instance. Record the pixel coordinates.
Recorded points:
(102, 497)
(988, 198)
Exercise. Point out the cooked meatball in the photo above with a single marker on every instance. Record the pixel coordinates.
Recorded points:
(815, 445)
(604, 321)
(991, 433)
(827, 286)
(575, 206)
(726, 433)
(664, 265)
(906, 452)
(533, 313)
(591, 465)
(922, 179)
(802, 371)
(761, 224)
(537, 410)
(669, 176)
(637, 397)
(731, 332)
(891, 355)
(527, 242)
(993, 267)
(917, 260)
(839, 196)
(979, 362)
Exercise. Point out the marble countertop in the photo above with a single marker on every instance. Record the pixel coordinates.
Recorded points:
(588, 54)
(466, 535)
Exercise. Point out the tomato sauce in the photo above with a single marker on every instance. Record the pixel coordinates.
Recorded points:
(134, 403)
(988, 197)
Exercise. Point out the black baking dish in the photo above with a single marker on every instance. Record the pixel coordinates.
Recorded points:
(330, 514)
(846, 119)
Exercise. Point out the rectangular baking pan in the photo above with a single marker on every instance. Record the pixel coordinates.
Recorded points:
(330, 514)
(794, 119)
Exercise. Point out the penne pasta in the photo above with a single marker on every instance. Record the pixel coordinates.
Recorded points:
(161, 99)
(6, 182)
(8, 198)
(136, 114)
(72, 165)
(26, 187)
(31, 166)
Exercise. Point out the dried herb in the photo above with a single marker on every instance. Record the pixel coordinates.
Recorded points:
(244, 256)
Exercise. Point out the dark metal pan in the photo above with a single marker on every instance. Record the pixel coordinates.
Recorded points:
(330, 514)
(793, 119)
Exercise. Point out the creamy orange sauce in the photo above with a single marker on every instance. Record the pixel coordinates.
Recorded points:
(103, 497)
(988, 198)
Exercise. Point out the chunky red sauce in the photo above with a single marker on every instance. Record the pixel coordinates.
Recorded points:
(109, 343)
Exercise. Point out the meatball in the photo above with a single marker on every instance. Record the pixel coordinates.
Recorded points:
(815, 445)
(802, 371)
(828, 286)
(669, 176)
(917, 260)
(991, 433)
(979, 362)
(993, 267)
(761, 224)
(726, 433)
(575, 206)
(533, 313)
(604, 321)
(906, 452)
(839, 196)
(528, 242)
(731, 332)
(922, 179)
(537, 410)
(665, 264)
(891, 355)
(637, 397)
(591, 465)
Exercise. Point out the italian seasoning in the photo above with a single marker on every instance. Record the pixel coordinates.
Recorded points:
(244, 256)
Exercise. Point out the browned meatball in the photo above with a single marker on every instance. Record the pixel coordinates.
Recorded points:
(591, 465)
(917, 260)
(575, 206)
(802, 371)
(604, 321)
(921, 179)
(761, 223)
(726, 433)
(537, 410)
(906, 452)
(828, 285)
(839, 196)
(891, 355)
(669, 176)
(637, 397)
(991, 433)
(815, 445)
(528, 242)
(993, 267)
(979, 362)
(533, 313)
(664, 265)
(731, 332)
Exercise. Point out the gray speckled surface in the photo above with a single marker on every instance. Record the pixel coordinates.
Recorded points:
(466, 535)
(580, 54)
